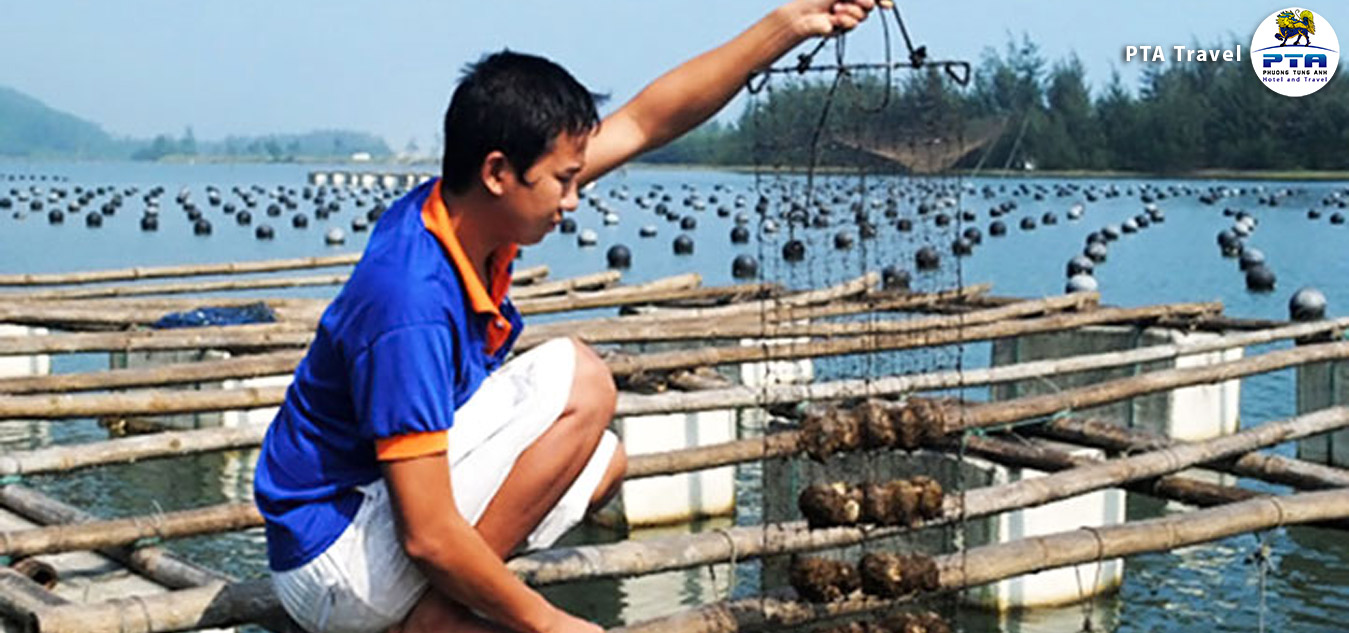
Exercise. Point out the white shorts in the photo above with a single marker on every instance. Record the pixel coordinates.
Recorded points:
(364, 582)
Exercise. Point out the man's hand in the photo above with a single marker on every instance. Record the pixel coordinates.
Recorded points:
(811, 18)
(567, 623)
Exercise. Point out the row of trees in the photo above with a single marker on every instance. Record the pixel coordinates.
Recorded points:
(1183, 117)
(330, 144)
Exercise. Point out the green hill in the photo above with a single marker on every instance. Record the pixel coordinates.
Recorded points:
(29, 128)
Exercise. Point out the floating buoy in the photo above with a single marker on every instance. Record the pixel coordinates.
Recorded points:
(962, 247)
(744, 267)
(1096, 251)
(201, 227)
(273, 210)
(739, 235)
(866, 230)
(997, 228)
(647, 231)
(1027, 223)
(927, 258)
(1142, 220)
(619, 256)
(1307, 304)
(335, 236)
(1251, 257)
(1129, 226)
(1313, 214)
(974, 235)
(264, 232)
(611, 218)
(93, 220)
(1111, 232)
(149, 223)
(587, 237)
(895, 278)
(244, 218)
(769, 227)
(359, 224)
(567, 225)
(1081, 283)
(1080, 265)
(1259, 278)
(1075, 212)
(794, 250)
(1337, 218)
(1049, 219)
(683, 245)
(843, 240)
(299, 221)
(688, 223)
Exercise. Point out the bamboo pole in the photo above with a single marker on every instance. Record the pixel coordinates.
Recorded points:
(700, 329)
(212, 606)
(641, 557)
(1007, 411)
(992, 563)
(593, 281)
(253, 336)
(193, 287)
(129, 449)
(187, 270)
(21, 598)
(624, 365)
(1271, 468)
(741, 396)
(667, 288)
(238, 367)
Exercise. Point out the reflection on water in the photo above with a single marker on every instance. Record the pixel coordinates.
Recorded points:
(1210, 587)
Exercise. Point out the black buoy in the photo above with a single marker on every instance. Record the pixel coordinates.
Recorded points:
(739, 235)
(1096, 251)
(1313, 214)
(93, 220)
(273, 210)
(244, 218)
(895, 278)
(1027, 223)
(1251, 257)
(1307, 304)
(567, 225)
(904, 225)
(1049, 219)
(299, 221)
(149, 223)
(688, 223)
(1081, 283)
(997, 228)
(619, 256)
(794, 250)
(201, 227)
(941, 219)
(961, 247)
(264, 232)
(1081, 265)
(843, 240)
(56, 216)
(1111, 232)
(683, 245)
(1259, 278)
(973, 235)
(1337, 218)
(744, 267)
(647, 231)
(1129, 226)
(927, 258)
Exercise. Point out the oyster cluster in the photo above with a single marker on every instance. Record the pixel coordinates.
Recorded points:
(899, 502)
(872, 425)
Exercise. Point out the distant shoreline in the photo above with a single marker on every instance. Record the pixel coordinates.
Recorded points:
(1203, 174)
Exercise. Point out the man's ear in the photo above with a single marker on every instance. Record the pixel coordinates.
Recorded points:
(496, 169)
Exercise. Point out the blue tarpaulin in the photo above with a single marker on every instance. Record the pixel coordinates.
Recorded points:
(218, 315)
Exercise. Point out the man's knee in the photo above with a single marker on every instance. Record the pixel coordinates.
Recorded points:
(593, 392)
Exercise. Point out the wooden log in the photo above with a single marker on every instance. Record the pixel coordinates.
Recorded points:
(1007, 411)
(738, 397)
(992, 563)
(21, 598)
(238, 367)
(1271, 468)
(211, 606)
(850, 288)
(624, 365)
(187, 270)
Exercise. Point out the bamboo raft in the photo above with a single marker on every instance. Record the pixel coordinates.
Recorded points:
(701, 331)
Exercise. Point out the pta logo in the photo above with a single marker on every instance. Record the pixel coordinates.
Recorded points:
(1295, 52)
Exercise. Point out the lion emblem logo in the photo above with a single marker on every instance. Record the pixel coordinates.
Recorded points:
(1295, 27)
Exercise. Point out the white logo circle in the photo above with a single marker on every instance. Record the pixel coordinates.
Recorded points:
(1295, 52)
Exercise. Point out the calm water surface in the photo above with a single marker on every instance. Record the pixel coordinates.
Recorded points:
(1210, 587)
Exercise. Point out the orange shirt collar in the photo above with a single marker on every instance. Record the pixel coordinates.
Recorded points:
(438, 221)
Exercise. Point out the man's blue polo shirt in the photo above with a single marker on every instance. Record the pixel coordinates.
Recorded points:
(407, 341)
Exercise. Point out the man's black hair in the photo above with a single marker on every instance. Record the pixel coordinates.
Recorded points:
(514, 103)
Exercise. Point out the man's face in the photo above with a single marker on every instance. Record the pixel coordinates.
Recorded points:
(532, 208)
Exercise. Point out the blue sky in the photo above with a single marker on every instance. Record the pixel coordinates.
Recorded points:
(253, 66)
